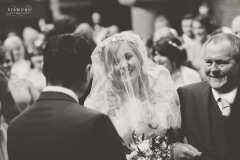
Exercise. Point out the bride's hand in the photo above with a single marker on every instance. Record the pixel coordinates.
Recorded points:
(185, 152)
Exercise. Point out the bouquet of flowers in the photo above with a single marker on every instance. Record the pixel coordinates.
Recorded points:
(151, 147)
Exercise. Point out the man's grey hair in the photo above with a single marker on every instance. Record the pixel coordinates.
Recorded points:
(232, 39)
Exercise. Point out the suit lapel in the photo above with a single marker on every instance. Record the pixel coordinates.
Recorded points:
(203, 112)
(233, 127)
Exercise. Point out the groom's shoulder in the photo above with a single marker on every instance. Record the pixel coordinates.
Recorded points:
(87, 118)
(77, 109)
(83, 113)
(72, 113)
(90, 112)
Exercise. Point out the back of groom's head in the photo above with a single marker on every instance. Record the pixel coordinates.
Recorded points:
(66, 57)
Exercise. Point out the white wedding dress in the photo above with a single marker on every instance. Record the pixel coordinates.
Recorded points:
(143, 104)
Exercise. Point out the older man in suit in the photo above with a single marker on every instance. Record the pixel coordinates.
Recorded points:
(211, 109)
(56, 127)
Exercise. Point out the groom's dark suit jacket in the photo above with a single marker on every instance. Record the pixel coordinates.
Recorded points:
(217, 137)
(56, 127)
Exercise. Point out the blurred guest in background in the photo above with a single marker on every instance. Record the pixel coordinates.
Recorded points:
(54, 5)
(8, 110)
(169, 53)
(35, 75)
(236, 26)
(23, 92)
(162, 28)
(205, 9)
(160, 22)
(86, 31)
(164, 32)
(113, 29)
(222, 29)
(187, 36)
(45, 27)
(15, 47)
(105, 32)
(202, 28)
(100, 32)
(66, 24)
(186, 25)
(96, 19)
(30, 36)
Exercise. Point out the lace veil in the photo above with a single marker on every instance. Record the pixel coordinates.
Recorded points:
(137, 94)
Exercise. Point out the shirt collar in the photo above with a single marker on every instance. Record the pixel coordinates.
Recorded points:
(229, 97)
(61, 90)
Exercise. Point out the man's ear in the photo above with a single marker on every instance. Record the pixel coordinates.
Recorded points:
(88, 71)
(44, 73)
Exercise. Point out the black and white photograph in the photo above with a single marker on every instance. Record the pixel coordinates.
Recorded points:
(119, 80)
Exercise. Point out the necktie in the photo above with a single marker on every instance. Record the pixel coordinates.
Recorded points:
(226, 109)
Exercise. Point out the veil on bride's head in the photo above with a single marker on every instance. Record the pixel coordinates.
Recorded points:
(124, 78)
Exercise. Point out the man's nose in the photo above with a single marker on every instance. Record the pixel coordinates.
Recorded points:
(214, 68)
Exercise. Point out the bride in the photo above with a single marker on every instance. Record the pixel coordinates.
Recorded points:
(137, 94)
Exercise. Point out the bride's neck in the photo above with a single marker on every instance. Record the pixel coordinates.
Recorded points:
(137, 87)
(135, 90)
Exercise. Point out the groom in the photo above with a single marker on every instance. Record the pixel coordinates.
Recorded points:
(56, 127)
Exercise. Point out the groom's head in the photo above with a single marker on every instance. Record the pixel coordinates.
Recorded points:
(66, 61)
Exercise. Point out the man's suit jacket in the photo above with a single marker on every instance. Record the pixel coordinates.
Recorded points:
(56, 127)
(196, 102)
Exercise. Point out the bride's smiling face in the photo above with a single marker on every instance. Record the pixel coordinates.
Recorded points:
(126, 65)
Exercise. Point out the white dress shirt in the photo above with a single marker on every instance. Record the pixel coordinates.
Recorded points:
(61, 90)
(228, 97)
